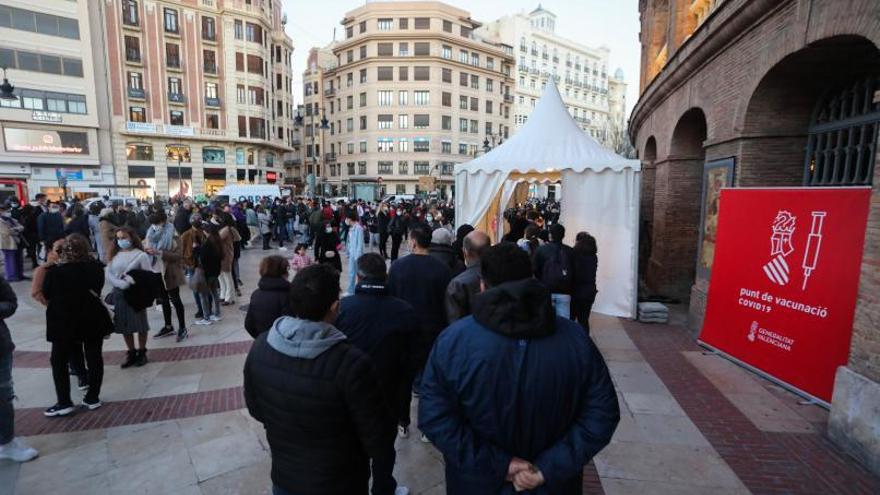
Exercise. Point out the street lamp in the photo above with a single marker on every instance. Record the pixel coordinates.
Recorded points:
(6, 89)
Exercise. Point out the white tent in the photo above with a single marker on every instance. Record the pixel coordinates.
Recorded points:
(600, 193)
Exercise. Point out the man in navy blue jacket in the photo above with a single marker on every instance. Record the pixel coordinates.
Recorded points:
(514, 396)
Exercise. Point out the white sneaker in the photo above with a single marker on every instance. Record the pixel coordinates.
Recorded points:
(202, 321)
(401, 490)
(403, 431)
(214, 318)
(18, 451)
(424, 439)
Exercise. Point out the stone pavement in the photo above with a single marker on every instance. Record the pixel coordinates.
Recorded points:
(692, 423)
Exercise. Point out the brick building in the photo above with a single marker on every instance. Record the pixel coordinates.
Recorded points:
(790, 90)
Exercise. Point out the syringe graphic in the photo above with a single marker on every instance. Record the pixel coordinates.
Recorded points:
(814, 242)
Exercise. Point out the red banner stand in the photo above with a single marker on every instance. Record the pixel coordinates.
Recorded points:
(784, 282)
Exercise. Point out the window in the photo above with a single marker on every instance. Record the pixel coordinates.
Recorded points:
(447, 75)
(421, 121)
(256, 95)
(420, 168)
(253, 32)
(422, 23)
(446, 99)
(422, 97)
(462, 149)
(385, 24)
(385, 74)
(462, 125)
(490, 63)
(362, 146)
(239, 62)
(362, 100)
(349, 56)
(349, 125)
(241, 94)
(363, 76)
(475, 59)
(403, 23)
(385, 49)
(446, 147)
(446, 52)
(132, 49)
(213, 155)
(137, 114)
(176, 117)
(130, 12)
(362, 168)
(403, 121)
(257, 127)
(447, 26)
(475, 104)
(135, 82)
(403, 50)
(363, 127)
(403, 73)
(175, 152)
(400, 188)
(463, 102)
(386, 167)
(385, 98)
(349, 80)
(402, 169)
(254, 64)
(242, 132)
(385, 145)
(422, 49)
(171, 21)
(475, 127)
(488, 128)
(211, 90)
(362, 27)
(172, 55)
(490, 85)
(134, 151)
(403, 98)
(403, 145)
(174, 87)
(32, 100)
(209, 29)
(446, 123)
(239, 30)
(349, 32)
(463, 79)
(463, 56)
(209, 61)
(212, 121)
(421, 73)
(350, 148)
(363, 52)
(488, 106)
(385, 121)
(475, 82)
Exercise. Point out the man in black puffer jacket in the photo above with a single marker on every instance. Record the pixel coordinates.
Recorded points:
(316, 395)
(271, 300)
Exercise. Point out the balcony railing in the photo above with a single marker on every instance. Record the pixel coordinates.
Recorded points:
(330, 157)
(508, 98)
(176, 98)
(132, 56)
(137, 93)
(212, 102)
(173, 62)
(292, 162)
(329, 92)
(295, 142)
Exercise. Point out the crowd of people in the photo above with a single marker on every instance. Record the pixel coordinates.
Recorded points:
(492, 339)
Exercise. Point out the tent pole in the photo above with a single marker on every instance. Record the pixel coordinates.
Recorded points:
(635, 244)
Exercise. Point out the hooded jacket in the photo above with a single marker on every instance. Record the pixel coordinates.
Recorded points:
(511, 380)
(318, 398)
(268, 303)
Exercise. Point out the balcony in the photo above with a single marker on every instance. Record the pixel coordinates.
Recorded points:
(523, 69)
(329, 92)
(508, 98)
(176, 98)
(137, 93)
(296, 141)
(293, 162)
(533, 71)
(212, 102)
(330, 157)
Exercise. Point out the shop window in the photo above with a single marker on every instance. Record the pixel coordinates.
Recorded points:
(136, 151)
(213, 155)
(177, 152)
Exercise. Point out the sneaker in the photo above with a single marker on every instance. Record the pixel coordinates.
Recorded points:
(18, 451)
(58, 410)
(199, 316)
(166, 331)
(83, 382)
(92, 404)
(401, 490)
(130, 359)
(203, 321)
(141, 358)
(403, 431)
(182, 334)
(214, 318)
(424, 439)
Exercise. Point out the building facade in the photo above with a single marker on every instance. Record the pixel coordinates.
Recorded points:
(775, 86)
(413, 92)
(52, 137)
(581, 72)
(200, 94)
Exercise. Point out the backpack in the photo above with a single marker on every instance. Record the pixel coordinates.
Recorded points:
(556, 273)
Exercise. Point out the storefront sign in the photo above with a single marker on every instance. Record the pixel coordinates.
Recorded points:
(44, 116)
(141, 127)
(69, 173)
(46, 141)
(785, 279)
(178, 130)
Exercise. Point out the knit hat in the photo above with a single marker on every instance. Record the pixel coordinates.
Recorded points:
(442, 236)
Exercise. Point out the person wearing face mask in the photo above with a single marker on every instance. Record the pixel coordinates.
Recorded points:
(398, 226)
(126, 255)
(163, 245)
(12, 244)
(383, 218)
(50, 225)
(326, 251)
(354, 247)
(228, 237)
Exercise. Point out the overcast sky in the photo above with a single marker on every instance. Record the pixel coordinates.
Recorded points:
(614, 23)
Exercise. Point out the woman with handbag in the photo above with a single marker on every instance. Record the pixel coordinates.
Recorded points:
(163, 245)
(228, 237)
(76, 320)
(126, 255)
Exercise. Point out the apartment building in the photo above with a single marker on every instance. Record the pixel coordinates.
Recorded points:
(412, 91)
(581, 72)
(200, 93)
(51, 130)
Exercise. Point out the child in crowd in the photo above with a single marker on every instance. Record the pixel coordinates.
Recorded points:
(301, 258)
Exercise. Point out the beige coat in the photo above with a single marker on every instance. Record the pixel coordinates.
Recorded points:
(107, 231)
(228, 237)
(10, 234)
(173, 261)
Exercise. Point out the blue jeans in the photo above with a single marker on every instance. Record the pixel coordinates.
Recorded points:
(211, 298)
(562, 304)
(7, 394)
(189, 272)
(352, 273)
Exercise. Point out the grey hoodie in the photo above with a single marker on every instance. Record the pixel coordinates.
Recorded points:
(303, 339)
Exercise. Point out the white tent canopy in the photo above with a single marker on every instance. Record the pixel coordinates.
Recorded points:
(600, 193)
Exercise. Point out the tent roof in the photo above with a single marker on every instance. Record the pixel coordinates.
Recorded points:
(549, 141)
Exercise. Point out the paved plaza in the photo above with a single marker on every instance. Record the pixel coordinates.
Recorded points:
(692, 423)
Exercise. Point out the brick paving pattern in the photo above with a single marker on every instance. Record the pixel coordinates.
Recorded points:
(40, 359)
(766, 462)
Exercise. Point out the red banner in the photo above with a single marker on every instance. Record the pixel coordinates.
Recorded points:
(785, 280)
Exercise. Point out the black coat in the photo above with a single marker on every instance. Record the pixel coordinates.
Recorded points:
(8, 305)
(384, 327)
(382, 221)
(325, 243)
(209, 256)
(584, 283)
(447, 256)
(181, 220)
(78, 225)
(143, 293)
(547, 252)
(268, 302)
(324, 417)
(75, 312)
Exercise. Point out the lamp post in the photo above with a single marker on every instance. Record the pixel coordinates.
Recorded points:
(6, 89)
